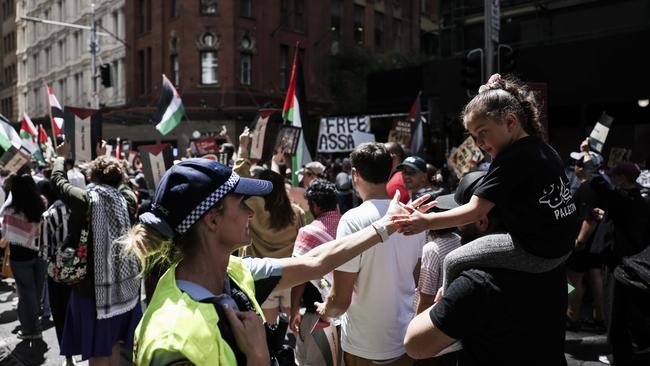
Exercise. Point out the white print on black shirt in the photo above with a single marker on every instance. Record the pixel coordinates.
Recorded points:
(557, 195)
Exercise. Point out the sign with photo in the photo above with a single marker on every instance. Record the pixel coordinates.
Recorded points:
(156, 159)
(336, 134)
(13, 159)
(401, 133)
(287, 140)
(467, 156)
(83, 128)
(206, 145)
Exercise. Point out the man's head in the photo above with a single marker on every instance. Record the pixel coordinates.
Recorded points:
(321, 197)
(371, 166)
(397, 154)
(414, 173)
(309, 172)
(488, 224)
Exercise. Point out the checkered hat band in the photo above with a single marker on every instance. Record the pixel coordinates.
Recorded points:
(206, 204)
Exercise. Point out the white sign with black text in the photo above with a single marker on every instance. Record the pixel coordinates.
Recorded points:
(337, 134)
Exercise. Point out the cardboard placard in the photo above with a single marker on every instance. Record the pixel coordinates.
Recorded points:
(401, 133)
(465, 157)
(156, 159)
(14, 159)
(83, 128)
(336, 134)
(287, 140)
(599, 133)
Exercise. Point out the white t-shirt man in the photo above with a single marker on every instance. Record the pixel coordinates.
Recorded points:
(382, 301)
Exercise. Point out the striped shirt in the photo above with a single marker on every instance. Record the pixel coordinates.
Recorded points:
(54, 228)
(433, 256)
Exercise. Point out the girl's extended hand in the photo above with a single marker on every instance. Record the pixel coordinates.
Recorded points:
(417, 221)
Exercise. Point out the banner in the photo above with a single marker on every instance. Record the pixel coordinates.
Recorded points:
(463, 159)
(156, 159)
(599, 134)
(13, 159)
(83, 128)
(258, 136)
(336, 134)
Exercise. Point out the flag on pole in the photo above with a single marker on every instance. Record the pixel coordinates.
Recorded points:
(415, 116)
(28, 133)
(8, 135)
(170, 109)
(56, 112)
(293, 111)
(118, 149)
(42, 135)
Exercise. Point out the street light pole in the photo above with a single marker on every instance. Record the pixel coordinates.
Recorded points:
(93, 58)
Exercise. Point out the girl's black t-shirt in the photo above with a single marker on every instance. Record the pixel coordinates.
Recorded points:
(527, 183)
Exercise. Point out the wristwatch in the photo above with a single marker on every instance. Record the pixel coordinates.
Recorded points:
(381, 231)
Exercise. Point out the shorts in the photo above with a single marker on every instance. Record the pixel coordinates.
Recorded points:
(278, 299)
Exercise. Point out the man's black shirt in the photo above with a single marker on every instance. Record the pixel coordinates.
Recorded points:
(505, 317)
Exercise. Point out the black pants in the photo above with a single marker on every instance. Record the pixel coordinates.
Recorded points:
(628, 323)
(59, 296)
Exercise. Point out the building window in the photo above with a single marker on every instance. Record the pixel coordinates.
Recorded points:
(77, 88)
(37, 99)
(116, 22)
(48, 60)
(59, 9)
(174, 9)
(208, 7)
(61, 52)
(246, 69)
(299, 20)
(116, 78)
(379, 30)
(284, 67)
(141, 72)
(397, 35)
(336, 17)
(63, 90)
(284, 13)
(246, 10)
(77, 45)
(209, 68)
(35, 67)
(142, 16)
(176, 69)
(359, 24)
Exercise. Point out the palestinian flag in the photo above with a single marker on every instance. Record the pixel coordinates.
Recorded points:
(56, 112)
(292, 112)
(8, 135)
(415, 116)
(170, 109)
(29, 134)
(42, 135)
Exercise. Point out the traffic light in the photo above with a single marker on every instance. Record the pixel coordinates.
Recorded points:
(105, 72)
(506, 59)
(472, 70)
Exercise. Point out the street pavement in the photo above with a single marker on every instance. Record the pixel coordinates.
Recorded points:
(582, 348)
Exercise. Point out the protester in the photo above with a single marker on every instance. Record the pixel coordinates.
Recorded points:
(54, 231)
(21, 229)
(416, 178)
(526, 182)
(321, 196)
(199, 217)
(582, 261)
(344, 190)
(396, 182)
(629, 213)
(274, 226)
(502, 317)
(374, 293)
(311, 171)
(104, 307)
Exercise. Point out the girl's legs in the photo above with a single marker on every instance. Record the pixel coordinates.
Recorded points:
(575, 297)
(495, 251)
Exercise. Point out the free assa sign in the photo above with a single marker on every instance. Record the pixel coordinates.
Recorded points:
(337, 134)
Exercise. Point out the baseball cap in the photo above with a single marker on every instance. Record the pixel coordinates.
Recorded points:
(414, 162)
(463, 193)
(191, 188)
(628, 169)
(595, 157)
(313, 168)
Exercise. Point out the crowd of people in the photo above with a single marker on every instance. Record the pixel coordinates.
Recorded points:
(373, 259)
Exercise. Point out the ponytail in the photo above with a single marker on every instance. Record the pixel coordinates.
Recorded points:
(150, 247)
(500, 96)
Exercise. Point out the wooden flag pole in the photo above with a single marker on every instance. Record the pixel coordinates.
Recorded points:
(47, 93)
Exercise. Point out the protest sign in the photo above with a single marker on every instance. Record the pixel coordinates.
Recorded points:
(336, 134)
(465, 157)
(401, 133)
(13, 159)
(287, 140)
(259, 133)
(362, 137)
(83, 128)
(599, 133)
(206, 145)
(617, 155)
(156, 159)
